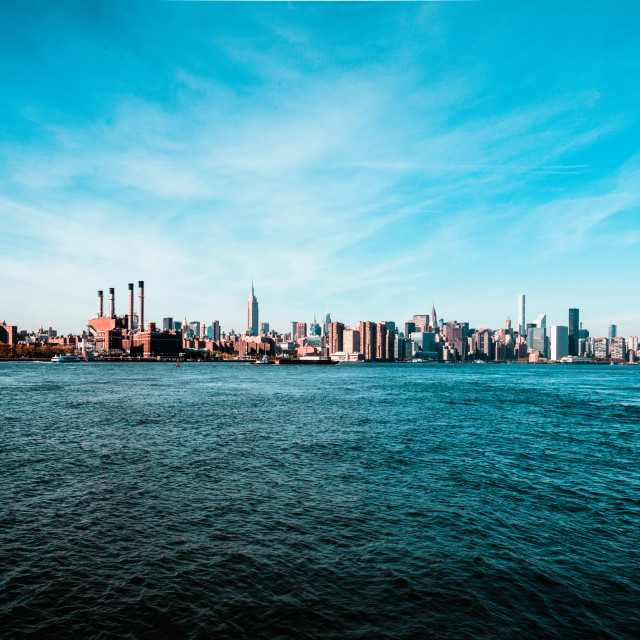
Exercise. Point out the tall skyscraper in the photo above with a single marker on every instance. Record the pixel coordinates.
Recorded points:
(574, 331)
(167, 324)
(612, 331)
(541, 321)
(522, 327)
(434, 317)
(559, 342)
(215, 330)
(327, 322)
(252, 313)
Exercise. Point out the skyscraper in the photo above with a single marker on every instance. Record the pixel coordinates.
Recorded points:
(574, 331)
(252, 313)
(541, 321)
(559, 339)
(522, 327)
(612, 331)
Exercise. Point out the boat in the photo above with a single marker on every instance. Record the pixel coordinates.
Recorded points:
(263, 360)
(66, 358)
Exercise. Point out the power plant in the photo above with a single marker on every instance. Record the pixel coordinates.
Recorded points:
(128, 334)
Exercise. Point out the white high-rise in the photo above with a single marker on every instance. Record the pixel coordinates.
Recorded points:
(522, 327)
(559, 338)
(252, 313)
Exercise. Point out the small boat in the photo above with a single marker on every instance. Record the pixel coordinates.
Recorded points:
(263, 360)
(65, 358)
(177, 363)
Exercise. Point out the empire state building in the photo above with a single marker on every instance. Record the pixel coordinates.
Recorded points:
(252, 313)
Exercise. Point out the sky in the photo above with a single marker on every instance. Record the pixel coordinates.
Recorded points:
(369, 158)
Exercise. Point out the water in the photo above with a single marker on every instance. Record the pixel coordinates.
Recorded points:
(365, 501)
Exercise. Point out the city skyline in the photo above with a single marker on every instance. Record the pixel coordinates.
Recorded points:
(355, 157)
(134, 318)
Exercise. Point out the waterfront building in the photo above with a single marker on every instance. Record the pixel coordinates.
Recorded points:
(381, 341)
(559, 342)
(456, 334)
(612, 331)
(537, 340)
(367, 340)
(425, 343)
(152, 343)
(336, 331)
(617, 349)
(574, 331)
(601, 347)
(632, 343)
(392, 337)
(8, 334)
(483, 345)
(252, 313)
(351, 340)
(522, 327)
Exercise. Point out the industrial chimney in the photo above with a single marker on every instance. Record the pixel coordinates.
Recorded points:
(112, 302)
(100, 309)
(141, 304)
(130, 321)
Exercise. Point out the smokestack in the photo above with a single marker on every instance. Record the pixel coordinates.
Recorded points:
(100, 310)
(130, 323)
(112, 302)
(141, 304)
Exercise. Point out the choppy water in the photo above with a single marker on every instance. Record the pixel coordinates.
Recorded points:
(366, 501)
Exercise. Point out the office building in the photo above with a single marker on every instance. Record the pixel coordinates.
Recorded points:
(559, 342)
(252, 313)
(264, 328)
(537, 340)
(167, 324)
(574, 331)
(522, 327)
(612, 332)
(215, 331)
(541, 321)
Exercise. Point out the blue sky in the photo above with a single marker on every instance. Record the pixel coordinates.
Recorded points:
(367, 157)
